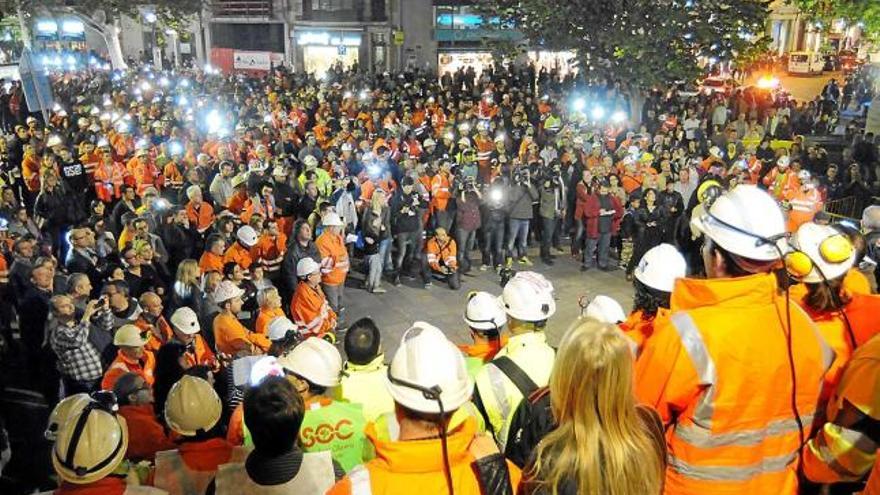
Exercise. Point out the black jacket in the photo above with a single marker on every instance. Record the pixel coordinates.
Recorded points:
(78, 262)
(296, 252)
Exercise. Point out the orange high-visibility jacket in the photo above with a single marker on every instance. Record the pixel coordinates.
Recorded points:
(154, 342)
(639, 327)
(441, 191)
(230, 335)
(334, 258)
(201, 216)
(804, 206)
(239, 255)
(269, 251)
(844, 449)
(265, 317)
(717, 371)
(146, 436)
(122, 365)
(441, 255)
(311, 312)
(211, 262)
(399, 466)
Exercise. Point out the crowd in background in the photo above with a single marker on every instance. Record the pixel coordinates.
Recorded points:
(166, 224)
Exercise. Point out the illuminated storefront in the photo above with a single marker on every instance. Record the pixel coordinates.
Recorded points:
(321, 49)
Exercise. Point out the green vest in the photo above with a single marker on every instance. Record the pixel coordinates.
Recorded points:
(339, 428)
(473, 365)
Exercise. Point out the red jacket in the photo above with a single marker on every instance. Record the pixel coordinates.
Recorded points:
(593, 210)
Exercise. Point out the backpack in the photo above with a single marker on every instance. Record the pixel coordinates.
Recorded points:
(531, 421)
(532, 418)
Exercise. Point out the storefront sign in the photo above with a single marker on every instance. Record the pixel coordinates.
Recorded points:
(398, 37)
(243, 60)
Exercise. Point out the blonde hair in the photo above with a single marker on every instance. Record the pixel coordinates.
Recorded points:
(188, 272)
(377, 201)
(601, 444)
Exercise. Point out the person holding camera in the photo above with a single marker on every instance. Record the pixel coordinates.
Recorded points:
(441, 253)
(551, 209)
(79, 361)
(467, 221)
(521, 194)
(494, 220)
(407, 206)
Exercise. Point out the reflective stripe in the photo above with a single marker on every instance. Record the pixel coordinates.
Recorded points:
(360, 480)
(729, 473)
(693, 343)
(497, 380)
(703, 438)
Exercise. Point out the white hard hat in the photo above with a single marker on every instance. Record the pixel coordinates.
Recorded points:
(306, 267)
(715, 151)
(247, 235)
(185, 321)
(429, 142)
(315, 360)
(346, 146)
(605, 309)
(64, 410)
(660, 266)
(128, 336)
(331, 220)
(53, 140)
(192, 406)
(804, 176)
(310, 161)
(227, 290)
(427, 359)
(278, 328)
(783, 161)
(528, 296)
(279, 170)
(464, 141)
(90, 445)
(257, 165)
(809, 239)
(483, 312)
(746, 222)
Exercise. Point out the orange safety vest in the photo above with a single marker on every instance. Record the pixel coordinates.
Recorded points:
(154, 342)
(444, 255)
(270, 252)
(228, 331)
(804, 206)
(145, 435)
(400, 466)
(192, 467)
(122, 365)
(109, 180)
(311, 312)
(240, 255)
(334, 258)
(200, 354)
(724, 388)
(440, 192)
(210, 262)
(265, 317)
(202, 216)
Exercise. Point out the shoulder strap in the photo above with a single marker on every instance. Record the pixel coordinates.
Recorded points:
(519, 377)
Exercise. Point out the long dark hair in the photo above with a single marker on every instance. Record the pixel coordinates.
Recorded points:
(649, 300)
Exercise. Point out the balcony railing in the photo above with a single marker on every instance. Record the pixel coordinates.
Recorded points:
(243, 8)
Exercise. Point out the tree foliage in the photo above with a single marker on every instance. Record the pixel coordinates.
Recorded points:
(866, 12)
(641, 42)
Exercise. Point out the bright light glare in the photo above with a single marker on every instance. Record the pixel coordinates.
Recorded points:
(597, 113)
(214, 121)
(618, 117)
(496, 194)
(364, 94)
(768, 82)
(175, 148)
(267, 119)
(145, 86)
(164, 82)
(347, 94)
(579, 105)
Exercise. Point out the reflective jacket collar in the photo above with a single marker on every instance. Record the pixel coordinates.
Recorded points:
(527, 339)
(375, 365)
(752, 290)
(423, 456)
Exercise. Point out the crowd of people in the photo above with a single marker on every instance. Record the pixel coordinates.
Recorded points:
(178, 249)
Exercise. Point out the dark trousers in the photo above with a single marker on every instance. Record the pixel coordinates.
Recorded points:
(493, 243)
(72, 386)
(452, 279)
(465, 241)
(602, 243)
(409, 249)
(548, 234)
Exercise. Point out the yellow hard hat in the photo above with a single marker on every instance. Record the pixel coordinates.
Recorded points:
(192, 406)
(63, 411)
(128, 336)
(90, 444)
